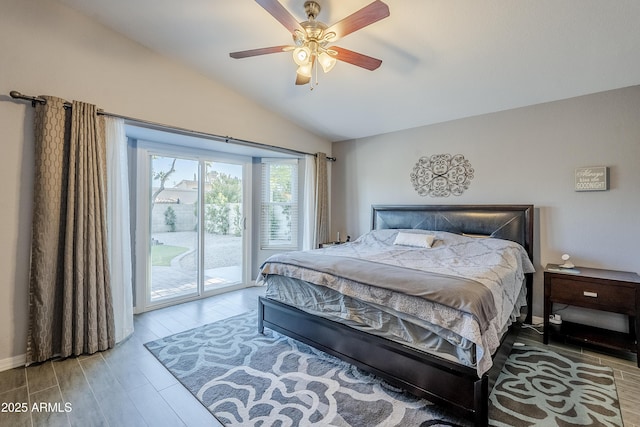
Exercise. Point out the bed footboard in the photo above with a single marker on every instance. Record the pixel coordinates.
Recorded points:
(436, 379)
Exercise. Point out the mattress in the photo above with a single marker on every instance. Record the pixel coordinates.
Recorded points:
(455, 298)
(371, 318)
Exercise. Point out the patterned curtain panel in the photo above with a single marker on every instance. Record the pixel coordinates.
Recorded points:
(70, 296)
(322, 199)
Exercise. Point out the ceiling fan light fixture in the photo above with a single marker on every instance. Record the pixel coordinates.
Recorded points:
(302, 55)
(305, 70)
(327, 62)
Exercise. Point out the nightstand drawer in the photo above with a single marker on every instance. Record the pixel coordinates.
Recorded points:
(619, 299)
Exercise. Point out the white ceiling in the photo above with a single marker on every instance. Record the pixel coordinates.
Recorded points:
(442, 59)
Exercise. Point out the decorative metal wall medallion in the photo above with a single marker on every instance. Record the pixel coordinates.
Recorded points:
(441, 175)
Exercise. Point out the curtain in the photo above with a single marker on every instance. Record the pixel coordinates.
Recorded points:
(118, 227)
(309, 207)
(70, 298)
(322, 199)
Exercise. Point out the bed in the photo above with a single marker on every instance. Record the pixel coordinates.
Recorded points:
(454, 363)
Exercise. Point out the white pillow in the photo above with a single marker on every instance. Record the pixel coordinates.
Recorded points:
(414, 239)
(476, 236)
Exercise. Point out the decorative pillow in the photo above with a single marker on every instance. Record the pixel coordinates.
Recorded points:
(414, 239)
(476, 236)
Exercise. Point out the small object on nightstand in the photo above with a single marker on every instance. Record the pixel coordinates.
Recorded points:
(566, 267)
(567, 263)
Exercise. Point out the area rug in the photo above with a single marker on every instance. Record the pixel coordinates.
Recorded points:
(248, 379)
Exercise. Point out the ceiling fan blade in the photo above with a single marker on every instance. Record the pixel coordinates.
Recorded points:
(366, 16)
(355, 58)
(261, 51)
(281, 14)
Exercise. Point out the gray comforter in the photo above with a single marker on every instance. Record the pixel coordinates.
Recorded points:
(467, 285)
(465, 295)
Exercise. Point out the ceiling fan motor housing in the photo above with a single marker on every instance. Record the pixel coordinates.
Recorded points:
(312, 9)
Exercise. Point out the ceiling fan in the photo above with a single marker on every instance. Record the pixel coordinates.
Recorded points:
(312, 39)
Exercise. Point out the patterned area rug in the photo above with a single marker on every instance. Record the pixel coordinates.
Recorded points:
(248, 379)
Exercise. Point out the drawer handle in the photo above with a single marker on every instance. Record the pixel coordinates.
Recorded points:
(590, 294)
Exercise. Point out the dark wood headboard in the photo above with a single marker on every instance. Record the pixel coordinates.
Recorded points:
(509, 222)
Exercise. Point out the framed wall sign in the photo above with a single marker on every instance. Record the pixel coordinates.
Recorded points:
(595, 178)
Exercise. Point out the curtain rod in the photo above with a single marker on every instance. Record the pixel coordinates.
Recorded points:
(159, 126)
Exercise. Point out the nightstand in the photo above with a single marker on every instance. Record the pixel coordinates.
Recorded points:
(597, 289)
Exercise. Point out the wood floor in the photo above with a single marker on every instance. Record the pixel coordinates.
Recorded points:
(127, 386)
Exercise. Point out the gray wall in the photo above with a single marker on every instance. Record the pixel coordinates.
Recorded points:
(526, 155)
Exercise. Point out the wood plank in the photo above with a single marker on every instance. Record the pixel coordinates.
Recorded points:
(85, 410)
(16, 417)
(116, 405)
(154, 409)
(188, 408)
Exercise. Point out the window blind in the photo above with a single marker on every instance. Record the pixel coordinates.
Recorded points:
(279, 206)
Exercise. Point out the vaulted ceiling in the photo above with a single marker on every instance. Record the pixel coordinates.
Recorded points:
(442, 59)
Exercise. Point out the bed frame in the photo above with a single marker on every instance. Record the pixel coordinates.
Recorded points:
(434, 378)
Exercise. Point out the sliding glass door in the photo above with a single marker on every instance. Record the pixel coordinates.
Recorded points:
(174, 228)
(224, 224)
(197, 226)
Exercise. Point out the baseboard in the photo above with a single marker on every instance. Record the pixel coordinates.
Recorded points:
(13, 362)
(537, 320)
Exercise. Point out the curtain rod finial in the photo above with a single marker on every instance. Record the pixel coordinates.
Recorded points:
(17, 95)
